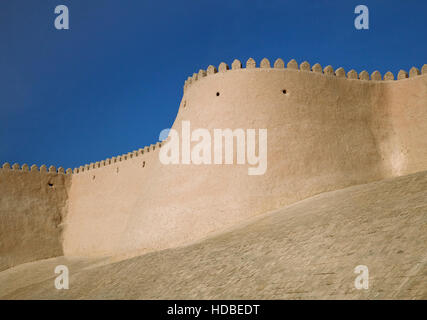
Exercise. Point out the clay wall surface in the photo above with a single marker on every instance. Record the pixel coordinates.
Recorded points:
(406, 105)
(33, 206)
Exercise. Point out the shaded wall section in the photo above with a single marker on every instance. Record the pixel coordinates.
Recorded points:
(33, 206)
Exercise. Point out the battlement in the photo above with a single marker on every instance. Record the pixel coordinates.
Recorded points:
(43, 168)
(279, 64)
(113, 160)
(92, 166)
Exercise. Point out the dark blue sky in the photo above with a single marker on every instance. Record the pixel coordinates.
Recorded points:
(112, 82)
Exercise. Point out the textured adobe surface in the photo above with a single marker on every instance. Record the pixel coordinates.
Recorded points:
(32, 210)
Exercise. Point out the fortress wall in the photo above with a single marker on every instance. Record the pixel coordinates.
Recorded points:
(329, 131)
(32, 210)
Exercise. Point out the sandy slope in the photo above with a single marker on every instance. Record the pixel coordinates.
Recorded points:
(307, 250)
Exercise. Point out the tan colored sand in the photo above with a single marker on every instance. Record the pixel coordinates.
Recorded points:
(306, 250)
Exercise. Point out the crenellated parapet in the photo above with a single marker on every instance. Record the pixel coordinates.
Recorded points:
(115, 160)
(279, 64)
(87, 167)
(43, 168)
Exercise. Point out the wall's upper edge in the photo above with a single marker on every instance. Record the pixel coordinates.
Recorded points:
(305, 67)
(123, 157)
(34, 168)
(87, 167)
(223, 67)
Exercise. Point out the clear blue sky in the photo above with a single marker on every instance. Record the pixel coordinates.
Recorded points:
(112, 82)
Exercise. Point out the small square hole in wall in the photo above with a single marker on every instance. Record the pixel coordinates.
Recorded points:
(50, 185)
(284, 91)
(217, 94)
